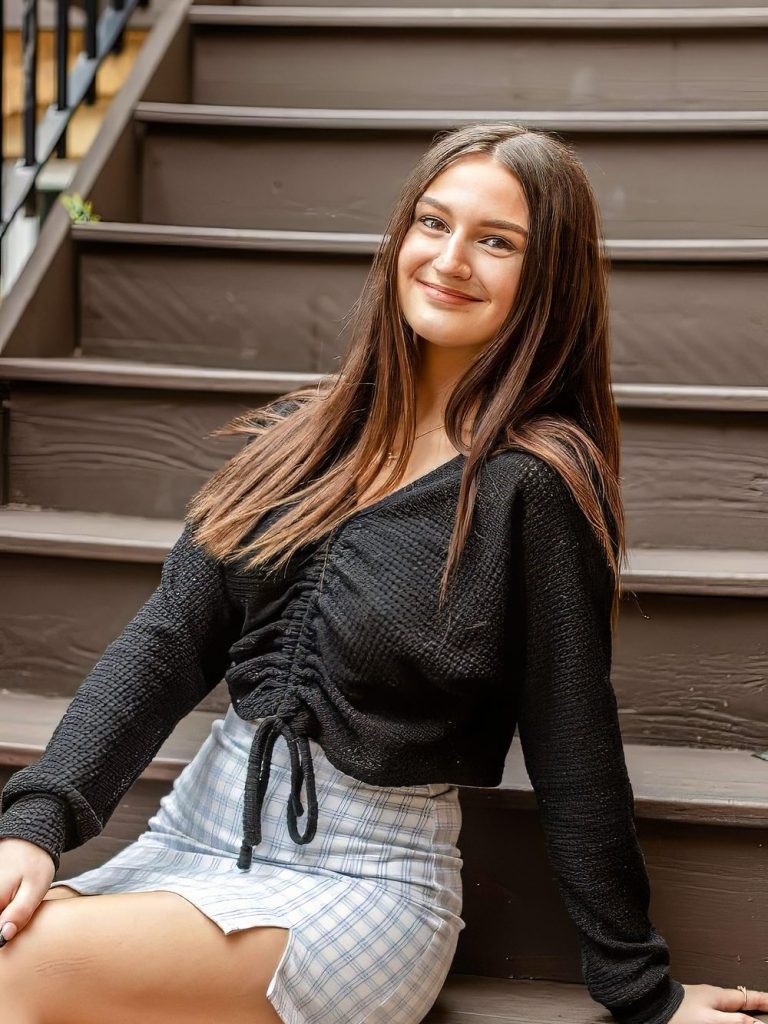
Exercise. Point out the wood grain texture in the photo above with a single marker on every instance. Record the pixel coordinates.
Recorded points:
(689, 478)
(687, 670)
(289, 179)
(286, 311)
(494, 68)
(692, 670)
(695, 479)
(271, 311)
(516, 923)
(133, 452)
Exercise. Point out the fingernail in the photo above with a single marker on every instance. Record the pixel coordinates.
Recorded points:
(7, 932)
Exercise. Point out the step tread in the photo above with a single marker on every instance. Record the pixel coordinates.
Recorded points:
(257, 239)
(474, 999)
(361, 119)
(112, 372)
(481, 17)
(97, 535)
(135, 373)
(669, 783)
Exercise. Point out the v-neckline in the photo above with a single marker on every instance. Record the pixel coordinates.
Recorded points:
(356, 513)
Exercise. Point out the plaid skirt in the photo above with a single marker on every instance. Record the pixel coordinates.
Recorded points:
(372, 902)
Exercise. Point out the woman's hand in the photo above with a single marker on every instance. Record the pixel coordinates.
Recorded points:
(708, 1004)
(26, 872)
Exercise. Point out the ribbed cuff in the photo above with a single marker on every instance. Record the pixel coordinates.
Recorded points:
(40, 819)
(656, 1008)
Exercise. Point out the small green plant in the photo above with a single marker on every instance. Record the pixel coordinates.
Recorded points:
(77, 209)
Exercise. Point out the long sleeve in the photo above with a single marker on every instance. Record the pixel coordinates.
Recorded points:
(166, 660)
(570, 735)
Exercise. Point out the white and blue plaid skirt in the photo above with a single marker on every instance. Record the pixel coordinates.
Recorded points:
(372, 902)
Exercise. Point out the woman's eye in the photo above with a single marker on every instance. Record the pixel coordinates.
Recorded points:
(505, 244)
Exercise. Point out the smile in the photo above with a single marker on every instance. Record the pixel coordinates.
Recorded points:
(447, 297)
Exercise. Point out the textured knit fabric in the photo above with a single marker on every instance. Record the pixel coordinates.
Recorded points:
(347, 646)
(373, 902)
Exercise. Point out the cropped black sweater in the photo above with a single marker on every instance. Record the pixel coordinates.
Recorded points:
(347, 646)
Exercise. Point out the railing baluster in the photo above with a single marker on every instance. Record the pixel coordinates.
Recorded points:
(62, 57)
(103, 34)
(29, 63)
(91, 13)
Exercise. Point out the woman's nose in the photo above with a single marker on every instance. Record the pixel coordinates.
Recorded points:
(451, 259)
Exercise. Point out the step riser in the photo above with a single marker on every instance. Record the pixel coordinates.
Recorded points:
(504, 854)
(499, 68)
(144, 452)
(687, 670)
(216, 308)
(697, 185)
(519, 926)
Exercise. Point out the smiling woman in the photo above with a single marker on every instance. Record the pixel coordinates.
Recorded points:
(400, 568)
(449, 265)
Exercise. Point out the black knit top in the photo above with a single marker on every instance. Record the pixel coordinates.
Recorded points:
(347, 646)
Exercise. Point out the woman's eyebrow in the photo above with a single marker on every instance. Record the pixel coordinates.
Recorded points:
(505, 225)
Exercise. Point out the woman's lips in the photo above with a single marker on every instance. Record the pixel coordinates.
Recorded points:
(452, 300)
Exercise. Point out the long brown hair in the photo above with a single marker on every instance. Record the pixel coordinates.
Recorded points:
(542, 384)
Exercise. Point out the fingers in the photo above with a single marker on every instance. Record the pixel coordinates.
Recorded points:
(732, 999)
(26, 872)
(20, 910)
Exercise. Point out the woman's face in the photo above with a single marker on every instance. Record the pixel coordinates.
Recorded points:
(454, 244)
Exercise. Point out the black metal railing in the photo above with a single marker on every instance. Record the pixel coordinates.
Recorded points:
(103, 34)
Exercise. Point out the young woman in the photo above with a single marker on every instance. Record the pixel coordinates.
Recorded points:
(400, 567)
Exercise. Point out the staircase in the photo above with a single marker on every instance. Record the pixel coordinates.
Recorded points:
(229, 250)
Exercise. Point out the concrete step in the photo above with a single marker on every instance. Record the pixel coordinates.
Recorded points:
(696, 177)
(217, 297)
(690, 656)
(478, 57)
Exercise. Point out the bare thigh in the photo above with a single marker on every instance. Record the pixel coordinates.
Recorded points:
(148, 956)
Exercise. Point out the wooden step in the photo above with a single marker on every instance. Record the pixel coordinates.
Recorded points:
(643, 180)
(191, 236)
(94, 436)
(605, 5)
(694, 58)
(697, 787)
(701, 818)
(132, 373)
(689, 659)
(734, 572)
(218, 297)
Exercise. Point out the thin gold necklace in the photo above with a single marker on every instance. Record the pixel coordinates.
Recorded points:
(390, 455)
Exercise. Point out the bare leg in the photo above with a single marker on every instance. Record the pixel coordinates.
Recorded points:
(125, 957)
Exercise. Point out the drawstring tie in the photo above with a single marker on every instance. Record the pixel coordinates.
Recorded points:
(257, 778)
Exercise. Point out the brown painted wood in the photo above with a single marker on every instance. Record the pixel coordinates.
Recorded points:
(668, 319)
(120, 451)
(688, 669)
(144, 452)
(677, 784)
(695, 475)
(516, 923)
(267, 311)
(479, 59)
(606, 5)
(38, 316)
(643, 183)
